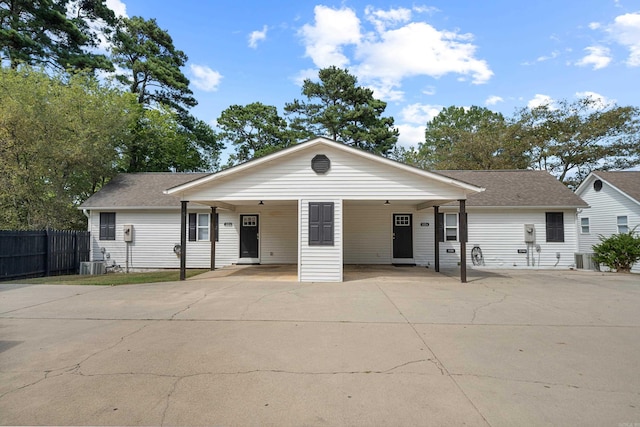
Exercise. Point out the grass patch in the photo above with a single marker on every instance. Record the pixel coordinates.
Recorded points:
(111, 279)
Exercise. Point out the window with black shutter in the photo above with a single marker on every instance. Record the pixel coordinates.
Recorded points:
(321, 223)
(198, 229)
(555, 226)
(447, 227)
(107, 226)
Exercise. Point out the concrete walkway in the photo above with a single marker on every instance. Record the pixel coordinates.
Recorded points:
(389, 346)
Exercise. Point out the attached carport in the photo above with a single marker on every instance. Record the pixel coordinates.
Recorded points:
(326, 182)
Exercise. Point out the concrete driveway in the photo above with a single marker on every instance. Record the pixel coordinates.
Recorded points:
(401, 346)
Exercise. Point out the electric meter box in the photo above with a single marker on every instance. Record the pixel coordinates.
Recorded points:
(127, 232)
(529, 233)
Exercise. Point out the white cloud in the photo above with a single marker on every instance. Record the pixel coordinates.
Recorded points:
(410, 136)
(414, 120)
(626, 31)
(419, 113)
(493, 100)
(257, 36)
(118, 7)
(332, 29)
(204, 78)
(309, 73)
(599, 57)
(595, 25)
(429, 90)
(396, 48)
(601, 101)
(539, 100)
(382, 19)
(553, 55)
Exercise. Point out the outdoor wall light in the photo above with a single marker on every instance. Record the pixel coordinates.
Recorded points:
(387, 203)
(261, 202)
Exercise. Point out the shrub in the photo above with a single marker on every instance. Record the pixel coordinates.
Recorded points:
(618, 252)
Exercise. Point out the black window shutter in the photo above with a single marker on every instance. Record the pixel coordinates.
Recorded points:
(440, 227)
(321, 223)
(555, 226)
(314, 223)
(327, 224)
(193, 221)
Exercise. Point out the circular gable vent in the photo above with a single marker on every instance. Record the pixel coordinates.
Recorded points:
(320, 163)
(597, 185)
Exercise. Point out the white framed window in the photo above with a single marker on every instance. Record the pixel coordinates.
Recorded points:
(249, 221)
(450, 227)
(403, 220)
(623, 225)
(584, 225)
(199, 227)
(203, 226)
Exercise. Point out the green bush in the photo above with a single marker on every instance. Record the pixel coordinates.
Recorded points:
(618, 252)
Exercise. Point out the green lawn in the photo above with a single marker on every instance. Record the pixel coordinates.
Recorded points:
(112, 279)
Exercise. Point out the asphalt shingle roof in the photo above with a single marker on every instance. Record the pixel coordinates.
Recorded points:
(140, 190)
(503, 188)
(516, 188)
(627, 181)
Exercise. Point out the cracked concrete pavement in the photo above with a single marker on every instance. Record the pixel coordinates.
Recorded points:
(389, 346)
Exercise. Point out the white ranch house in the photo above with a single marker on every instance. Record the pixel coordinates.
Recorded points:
(614, 200)
(321, 205)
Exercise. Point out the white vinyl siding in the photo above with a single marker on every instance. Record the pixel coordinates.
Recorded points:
(320, 263)
(606, 206)
(368, 233)
(500, 233)
(351, 177)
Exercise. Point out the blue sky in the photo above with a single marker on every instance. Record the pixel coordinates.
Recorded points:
(417, 56)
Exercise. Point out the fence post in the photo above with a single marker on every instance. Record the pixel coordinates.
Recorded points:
(47, 253)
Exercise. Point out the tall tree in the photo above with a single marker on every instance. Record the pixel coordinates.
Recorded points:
(169, 138)
(53, 33)
(570, 139)
(255, 130)
(59, 139)
(153, 63)
(159, 142)
(338, 108)
(469, 138)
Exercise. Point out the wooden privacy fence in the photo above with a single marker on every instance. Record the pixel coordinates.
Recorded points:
(25, 254)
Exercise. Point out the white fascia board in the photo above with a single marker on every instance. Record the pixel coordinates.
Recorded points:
(584, 184)
(318, 141)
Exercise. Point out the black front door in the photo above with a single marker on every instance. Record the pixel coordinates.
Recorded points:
(249, 236)
(402, 236)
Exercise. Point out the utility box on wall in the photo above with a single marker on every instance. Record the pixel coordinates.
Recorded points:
(529, 233)
(127, 232)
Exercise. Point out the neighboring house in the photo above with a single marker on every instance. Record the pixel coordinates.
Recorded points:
(322, 204)
(614, 200)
